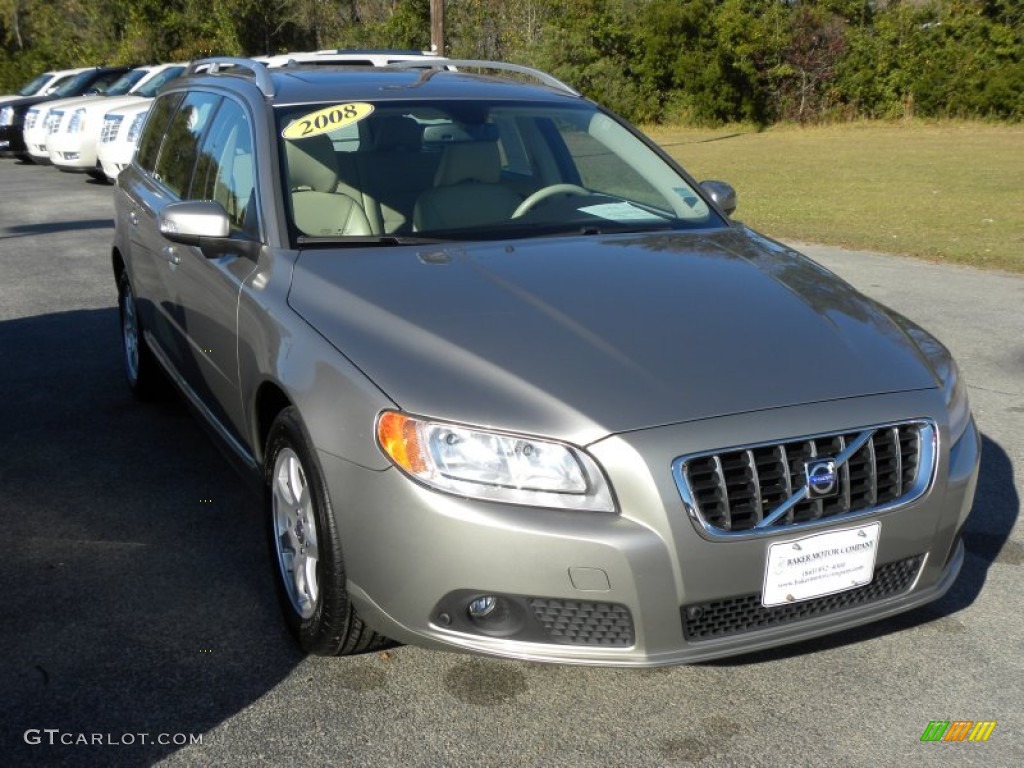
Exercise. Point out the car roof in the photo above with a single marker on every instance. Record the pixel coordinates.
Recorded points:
(421, 80)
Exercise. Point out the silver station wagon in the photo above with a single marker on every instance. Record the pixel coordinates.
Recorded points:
(511, 382)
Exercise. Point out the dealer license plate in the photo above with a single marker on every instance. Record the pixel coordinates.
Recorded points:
(819, 565)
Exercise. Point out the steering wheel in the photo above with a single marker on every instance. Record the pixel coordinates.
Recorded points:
(544, 193)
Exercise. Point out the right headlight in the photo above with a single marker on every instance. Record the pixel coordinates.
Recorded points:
(136, 128)
(954, 388)
(77, 122)
(495, 466)
(6, 116)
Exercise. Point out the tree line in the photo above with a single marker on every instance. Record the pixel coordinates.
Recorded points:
(694, 61)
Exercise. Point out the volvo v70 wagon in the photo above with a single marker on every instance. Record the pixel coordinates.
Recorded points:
(512, 382)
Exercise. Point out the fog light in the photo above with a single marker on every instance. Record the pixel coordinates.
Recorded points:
(495, 615)
(71, 155)
(482, 606)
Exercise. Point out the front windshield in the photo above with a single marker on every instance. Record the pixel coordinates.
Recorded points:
(152, 85)
(32, 87)
(126, 82)
(56, 85)
(475, 170)
(73, 86)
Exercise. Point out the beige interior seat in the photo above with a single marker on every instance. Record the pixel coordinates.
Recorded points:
(467, 191)
(394, 172)
(319, 209)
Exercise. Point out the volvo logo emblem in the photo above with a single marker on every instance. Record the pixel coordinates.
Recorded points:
(822, 478)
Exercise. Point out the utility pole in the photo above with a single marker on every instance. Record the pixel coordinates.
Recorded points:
(437, 27)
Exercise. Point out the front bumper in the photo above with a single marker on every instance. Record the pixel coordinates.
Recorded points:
(415, 557)
(114, 157)
(72, 152)
(36, 144)
(11, 142)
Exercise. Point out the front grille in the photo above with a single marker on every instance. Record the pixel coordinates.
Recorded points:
(53, 121)
(760, 488)
(723, 618)
(30, 119)
(111, 125)
(581, 622)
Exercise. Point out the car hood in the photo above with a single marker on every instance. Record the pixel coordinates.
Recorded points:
(68, 101)
(114, 103)
(580, 337)
(132, 108)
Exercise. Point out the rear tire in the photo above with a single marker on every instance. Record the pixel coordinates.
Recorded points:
(309, 570)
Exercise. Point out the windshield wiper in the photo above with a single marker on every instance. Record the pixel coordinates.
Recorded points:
(615, 228)
(361, 241)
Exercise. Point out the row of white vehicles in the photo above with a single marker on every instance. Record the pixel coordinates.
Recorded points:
(96, 134)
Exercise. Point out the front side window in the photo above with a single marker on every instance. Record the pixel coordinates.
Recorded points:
(226, 170)
(180, 148)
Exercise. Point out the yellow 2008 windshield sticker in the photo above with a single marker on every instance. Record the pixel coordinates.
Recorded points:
(327, 119)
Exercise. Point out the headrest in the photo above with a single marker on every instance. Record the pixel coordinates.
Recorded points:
(469, 161)
(397, 133)
(311, 164)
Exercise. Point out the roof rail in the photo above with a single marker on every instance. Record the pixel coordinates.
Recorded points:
(223, 65)
(380, 51)
(501, 66)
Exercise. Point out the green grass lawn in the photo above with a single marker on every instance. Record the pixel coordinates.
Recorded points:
(949, 191)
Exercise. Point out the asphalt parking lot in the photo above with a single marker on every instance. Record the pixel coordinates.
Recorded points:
(138, 604)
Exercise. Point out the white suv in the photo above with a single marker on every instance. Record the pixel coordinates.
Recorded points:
(118, 137)
(43, 119)
(73, 141)
(43, 83)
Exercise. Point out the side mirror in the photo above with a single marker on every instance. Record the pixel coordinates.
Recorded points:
(205, 225)
(722, 193)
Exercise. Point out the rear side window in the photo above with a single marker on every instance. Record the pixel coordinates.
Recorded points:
(156, 126)
(180, 147)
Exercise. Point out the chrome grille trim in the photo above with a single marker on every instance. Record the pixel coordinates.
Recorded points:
(53, 121)
(749, 490)
(111, 126)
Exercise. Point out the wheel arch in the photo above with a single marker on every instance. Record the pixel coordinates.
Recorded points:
(117, 262)
(270, 400)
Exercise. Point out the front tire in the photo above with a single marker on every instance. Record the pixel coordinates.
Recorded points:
(309, 571)
(145, 378)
